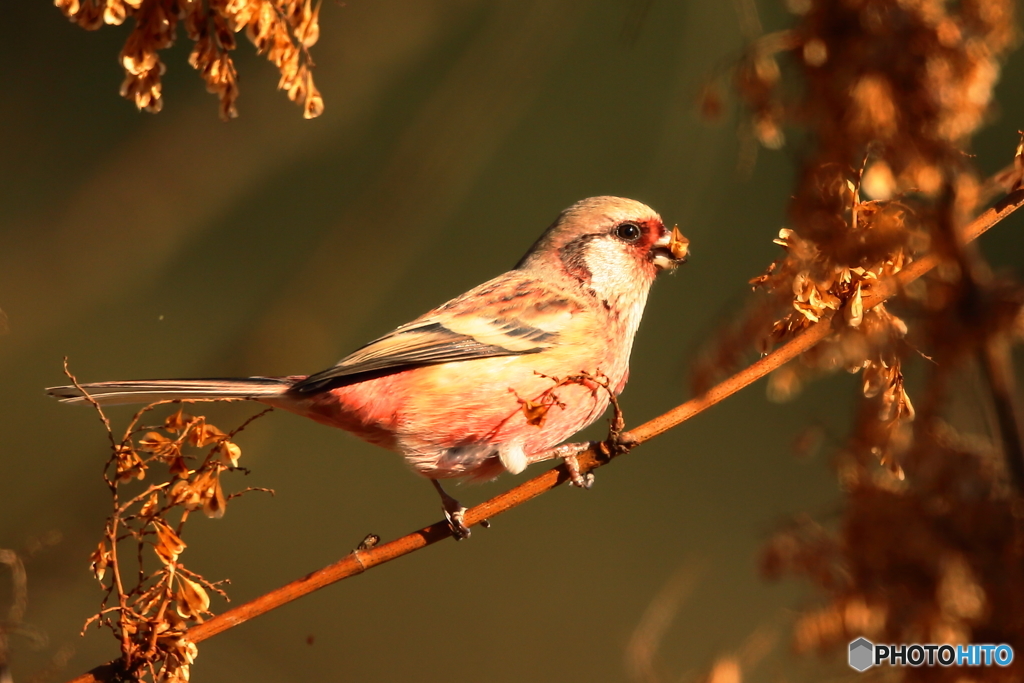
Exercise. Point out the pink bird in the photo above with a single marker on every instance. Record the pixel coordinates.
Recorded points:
(472, 388)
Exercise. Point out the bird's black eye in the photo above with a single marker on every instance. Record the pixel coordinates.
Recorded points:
(628, 232)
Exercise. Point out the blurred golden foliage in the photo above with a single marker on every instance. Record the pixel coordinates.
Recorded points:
(888, 94)
(283, 30)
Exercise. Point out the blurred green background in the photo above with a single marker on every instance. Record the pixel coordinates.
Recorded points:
(176, 245)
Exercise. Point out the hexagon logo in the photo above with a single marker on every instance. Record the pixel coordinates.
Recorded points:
(862, 653)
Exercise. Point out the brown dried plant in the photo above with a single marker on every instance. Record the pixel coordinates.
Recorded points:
(283, 30)
(888, 94)
(157, 476)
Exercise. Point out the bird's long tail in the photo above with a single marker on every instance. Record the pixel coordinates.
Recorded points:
(147, 391)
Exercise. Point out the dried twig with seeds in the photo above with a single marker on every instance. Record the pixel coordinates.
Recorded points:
(150, 609)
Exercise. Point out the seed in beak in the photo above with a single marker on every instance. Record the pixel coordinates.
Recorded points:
(678, 245)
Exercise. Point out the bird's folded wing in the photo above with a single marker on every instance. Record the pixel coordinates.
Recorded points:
(496, 319)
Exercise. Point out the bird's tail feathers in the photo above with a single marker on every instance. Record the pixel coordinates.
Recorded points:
(148, 391)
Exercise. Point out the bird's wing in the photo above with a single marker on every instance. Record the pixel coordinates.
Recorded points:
(508, 316)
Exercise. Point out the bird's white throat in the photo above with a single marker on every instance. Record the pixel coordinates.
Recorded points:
(614, 278)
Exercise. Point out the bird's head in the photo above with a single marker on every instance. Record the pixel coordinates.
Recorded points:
(612, 245)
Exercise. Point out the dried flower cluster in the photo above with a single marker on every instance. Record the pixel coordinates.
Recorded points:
(820, 284)
(157, 476)
(890, 93)
(283, 30)
(887, 93)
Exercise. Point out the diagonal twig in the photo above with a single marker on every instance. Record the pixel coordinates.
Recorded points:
(597, 455)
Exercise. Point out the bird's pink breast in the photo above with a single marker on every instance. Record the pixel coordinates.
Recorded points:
(424, 412)
(493, 400)
(369, 409)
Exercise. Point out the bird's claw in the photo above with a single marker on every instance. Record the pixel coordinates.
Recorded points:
(457, 521)
(576, 478)
(455, 513)
(568, 453)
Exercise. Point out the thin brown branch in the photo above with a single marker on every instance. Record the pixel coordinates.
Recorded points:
(360, 560)
(93, 403)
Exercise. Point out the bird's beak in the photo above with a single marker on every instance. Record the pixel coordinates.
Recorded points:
(671, 250)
